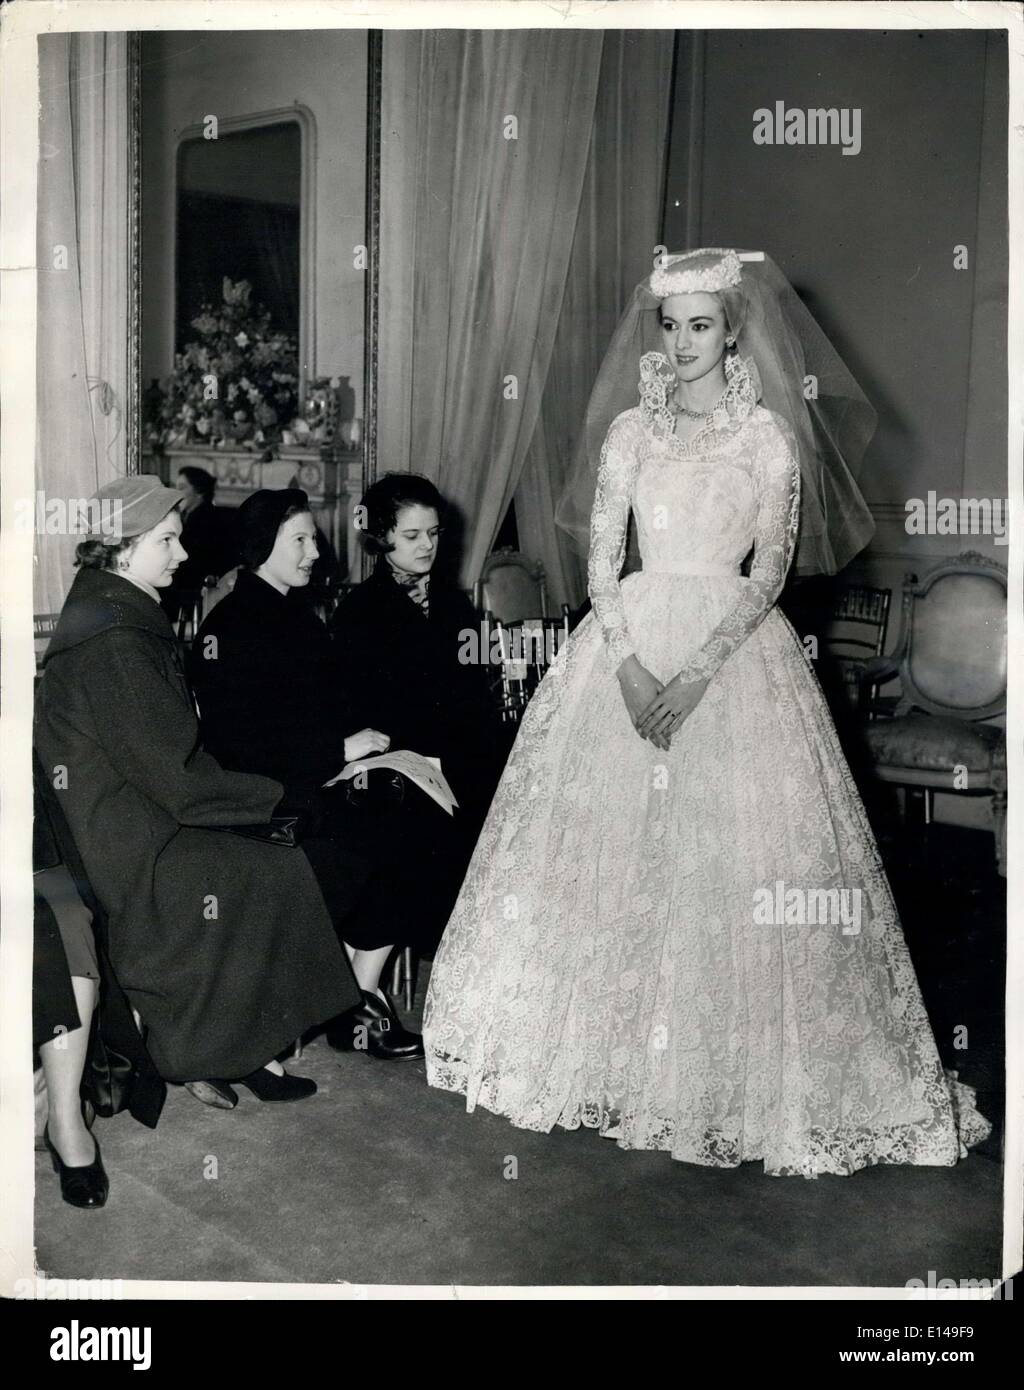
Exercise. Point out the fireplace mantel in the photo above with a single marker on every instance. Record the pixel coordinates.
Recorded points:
(334, 486)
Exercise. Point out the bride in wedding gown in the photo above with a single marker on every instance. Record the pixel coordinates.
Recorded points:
(676, 927)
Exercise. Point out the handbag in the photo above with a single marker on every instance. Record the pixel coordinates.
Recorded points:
(385, 788)
(279, 830)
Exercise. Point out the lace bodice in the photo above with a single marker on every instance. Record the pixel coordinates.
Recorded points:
(699, 508)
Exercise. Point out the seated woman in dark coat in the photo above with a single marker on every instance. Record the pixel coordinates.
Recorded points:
(398, 638)
(262, 670)
(222, 943)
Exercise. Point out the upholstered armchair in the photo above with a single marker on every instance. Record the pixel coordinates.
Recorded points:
(951, 661)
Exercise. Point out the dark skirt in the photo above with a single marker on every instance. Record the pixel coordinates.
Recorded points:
(389, 870)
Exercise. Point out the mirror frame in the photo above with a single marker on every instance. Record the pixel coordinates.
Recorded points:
(302, 117)
(307, 290)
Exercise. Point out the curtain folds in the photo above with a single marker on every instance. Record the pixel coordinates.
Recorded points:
(618, 226)
(81, 344)
(484, 153)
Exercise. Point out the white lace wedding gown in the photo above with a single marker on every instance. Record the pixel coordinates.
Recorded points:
(609, 961)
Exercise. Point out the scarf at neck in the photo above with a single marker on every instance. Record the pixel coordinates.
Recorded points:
(415, 585)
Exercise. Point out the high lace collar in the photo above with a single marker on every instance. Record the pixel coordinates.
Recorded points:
(658, 380)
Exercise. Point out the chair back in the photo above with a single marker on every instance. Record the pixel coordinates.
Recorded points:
(855, 631)
(213, 595)
(858, 623)
(952, 653)
(511, 587)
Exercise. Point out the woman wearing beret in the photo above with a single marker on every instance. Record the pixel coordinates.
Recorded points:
(221, 942)
(269, 701)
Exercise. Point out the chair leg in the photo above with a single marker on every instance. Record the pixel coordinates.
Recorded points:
(999, 829)
(297, 1050)
(410, 977)
(403, 976)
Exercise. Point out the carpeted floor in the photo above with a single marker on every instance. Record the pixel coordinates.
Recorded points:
(380, 1180)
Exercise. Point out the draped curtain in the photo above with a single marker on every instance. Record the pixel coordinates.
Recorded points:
(82, 333)
(483, 157)
(619, 224)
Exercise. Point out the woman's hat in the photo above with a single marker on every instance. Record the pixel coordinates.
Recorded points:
(131, 505)
(260, 517)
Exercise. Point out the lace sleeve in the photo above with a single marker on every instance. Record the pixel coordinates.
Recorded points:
(777, 478)
(609, 522)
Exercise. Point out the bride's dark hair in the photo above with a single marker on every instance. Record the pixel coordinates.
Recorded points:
(388, 496)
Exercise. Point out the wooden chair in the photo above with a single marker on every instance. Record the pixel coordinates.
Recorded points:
(855, 632)
(527, 651)
(951, 660)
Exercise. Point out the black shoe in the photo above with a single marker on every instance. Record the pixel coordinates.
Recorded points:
(80, 1187)
(374, 1027)
(216, 1093)
(268, 1086)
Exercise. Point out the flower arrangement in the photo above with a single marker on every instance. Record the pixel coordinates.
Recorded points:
(237, 382)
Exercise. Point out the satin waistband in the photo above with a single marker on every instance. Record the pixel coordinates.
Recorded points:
(709, 568)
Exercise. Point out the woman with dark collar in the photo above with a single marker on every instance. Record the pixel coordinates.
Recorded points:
(262, 668)
(401, 642)
(222, 943)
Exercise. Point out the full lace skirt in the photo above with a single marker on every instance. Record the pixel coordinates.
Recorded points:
(627, 952)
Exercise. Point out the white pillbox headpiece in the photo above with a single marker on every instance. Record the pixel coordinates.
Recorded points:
(675, 276)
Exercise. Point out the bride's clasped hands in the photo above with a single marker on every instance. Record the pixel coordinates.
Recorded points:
(669, 709)
(639, 688)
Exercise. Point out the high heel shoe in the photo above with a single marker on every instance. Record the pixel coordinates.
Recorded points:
(87, 1186)
(374, 1027)
(215, 1093)
(268, 1086)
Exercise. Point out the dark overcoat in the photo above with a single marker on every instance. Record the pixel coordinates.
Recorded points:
(270, 701)
(401, 673)
(262, 668)
(223, 944)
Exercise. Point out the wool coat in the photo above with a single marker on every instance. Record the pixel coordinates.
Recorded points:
(270, 701)
(401, 672)
(222, 943)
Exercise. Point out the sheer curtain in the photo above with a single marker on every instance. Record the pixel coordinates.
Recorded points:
(484, 153)
(81, 345)
(618, 227)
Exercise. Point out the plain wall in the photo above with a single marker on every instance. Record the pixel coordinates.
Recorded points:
(868, 239)
(187, 76)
